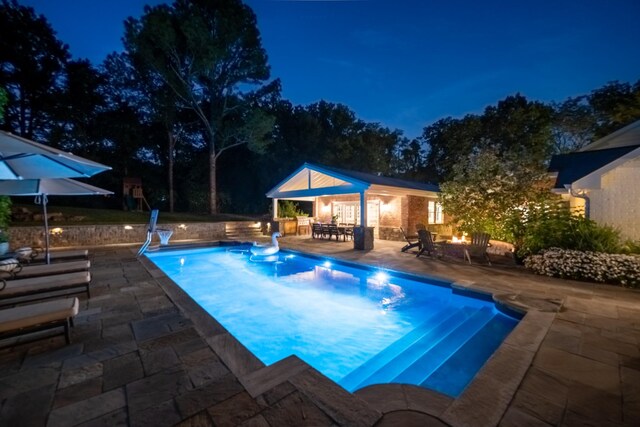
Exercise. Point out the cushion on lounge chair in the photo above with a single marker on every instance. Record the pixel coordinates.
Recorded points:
(9, 265)
(52, 269)
(28, 318)
(62, 255)
(39, 285)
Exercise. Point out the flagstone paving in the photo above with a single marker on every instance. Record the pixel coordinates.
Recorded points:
(143, 353)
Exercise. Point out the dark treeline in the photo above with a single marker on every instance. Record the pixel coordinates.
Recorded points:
(194, 113)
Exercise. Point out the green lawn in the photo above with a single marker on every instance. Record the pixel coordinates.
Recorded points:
(114, 216)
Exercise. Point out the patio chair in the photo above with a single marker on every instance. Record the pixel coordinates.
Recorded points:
(316, 230)
(26, 319)
(38, 288)
(409, 244)
(20, 271)
(427, 244)
(478, 247)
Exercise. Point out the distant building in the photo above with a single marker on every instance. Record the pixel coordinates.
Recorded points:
(602, 181)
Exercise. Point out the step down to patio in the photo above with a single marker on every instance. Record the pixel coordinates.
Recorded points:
(243, 231)
(393, 360)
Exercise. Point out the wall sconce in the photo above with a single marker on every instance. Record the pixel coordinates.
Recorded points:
(56, 231)
(128, 227)
(182, 226)
(326, 208)
(258, 224)
(385, 207)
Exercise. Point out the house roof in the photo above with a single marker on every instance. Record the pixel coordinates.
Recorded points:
(574, 166)
(627, 136)
(313, 180)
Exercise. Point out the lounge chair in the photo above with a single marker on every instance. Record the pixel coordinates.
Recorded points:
(29, 255)
(35, 288)
(30, 318)
(478, 247)
(409, 244)
(13, 269)
(427, 245)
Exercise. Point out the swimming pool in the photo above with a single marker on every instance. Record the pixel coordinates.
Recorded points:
(356, 325)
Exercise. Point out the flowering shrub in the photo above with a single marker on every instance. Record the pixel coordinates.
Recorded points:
(591, 266)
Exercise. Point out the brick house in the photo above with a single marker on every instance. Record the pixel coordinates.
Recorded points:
(601, 180)
(361, 198)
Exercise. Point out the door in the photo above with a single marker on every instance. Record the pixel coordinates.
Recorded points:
(373, 216)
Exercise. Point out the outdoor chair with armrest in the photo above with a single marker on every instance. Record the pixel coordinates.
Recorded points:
(427, 244)
(409, 244)
(478, 247)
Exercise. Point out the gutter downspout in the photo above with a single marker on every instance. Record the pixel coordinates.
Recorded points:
(581, 195)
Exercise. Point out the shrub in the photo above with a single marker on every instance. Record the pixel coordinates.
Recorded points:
(555, 226)
(591, 266)
(5, 212)
(289, 209)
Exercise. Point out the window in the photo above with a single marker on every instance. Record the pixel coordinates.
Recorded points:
(347, 212)
(435, 213)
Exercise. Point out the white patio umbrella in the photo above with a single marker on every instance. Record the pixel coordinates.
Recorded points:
(41, 188)
(21, 158)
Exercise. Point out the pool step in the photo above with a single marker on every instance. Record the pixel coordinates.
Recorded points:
(431, 360)
(467, 361)
(392, 361)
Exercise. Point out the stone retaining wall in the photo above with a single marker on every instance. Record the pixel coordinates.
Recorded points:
(98, 235)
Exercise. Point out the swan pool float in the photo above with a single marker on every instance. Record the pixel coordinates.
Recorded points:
(266, 250)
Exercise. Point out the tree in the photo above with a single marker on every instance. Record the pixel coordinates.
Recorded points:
(504, 172)
(450, 140)
(32, 62)
(207, 52)
(3, 102)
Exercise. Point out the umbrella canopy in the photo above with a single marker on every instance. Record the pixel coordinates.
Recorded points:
(41, 188)
(21, 158)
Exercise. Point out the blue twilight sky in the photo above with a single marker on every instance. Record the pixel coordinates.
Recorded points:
(408, 63)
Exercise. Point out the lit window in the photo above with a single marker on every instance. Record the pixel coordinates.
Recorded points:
(435, 213)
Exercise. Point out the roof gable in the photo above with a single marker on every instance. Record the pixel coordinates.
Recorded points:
(627, 136)
(312, 180)
(575, 166)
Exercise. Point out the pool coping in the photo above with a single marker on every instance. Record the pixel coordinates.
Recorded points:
(483, 402)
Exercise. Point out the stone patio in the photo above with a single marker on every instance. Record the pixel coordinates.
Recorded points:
(144, 353)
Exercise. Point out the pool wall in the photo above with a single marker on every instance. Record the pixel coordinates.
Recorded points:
(483, 402)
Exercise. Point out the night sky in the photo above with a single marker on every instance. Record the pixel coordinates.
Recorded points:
(408, 63)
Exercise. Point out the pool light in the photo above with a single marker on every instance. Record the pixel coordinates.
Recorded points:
(381, 276)
(326, 264)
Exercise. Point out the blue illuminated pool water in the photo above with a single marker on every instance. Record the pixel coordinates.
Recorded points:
(358, 326)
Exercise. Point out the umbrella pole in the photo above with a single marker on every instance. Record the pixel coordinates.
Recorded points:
(46, 229)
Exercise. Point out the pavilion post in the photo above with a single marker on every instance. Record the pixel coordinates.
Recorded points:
(275, 208)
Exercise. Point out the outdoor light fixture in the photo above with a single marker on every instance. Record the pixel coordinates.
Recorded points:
(56, 230)
(182, 226)
(258, 224)
(128, 227)
(326, 208)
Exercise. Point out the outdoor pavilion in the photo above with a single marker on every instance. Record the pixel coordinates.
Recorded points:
(361, 198)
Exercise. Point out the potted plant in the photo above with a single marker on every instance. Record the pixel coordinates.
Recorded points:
(334, 219)
(4, 243)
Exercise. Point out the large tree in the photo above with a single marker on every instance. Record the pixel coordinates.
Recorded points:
(32, 65)
(209, 52)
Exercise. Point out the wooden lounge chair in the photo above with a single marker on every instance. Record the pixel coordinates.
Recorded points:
(20, 271)
(409, 244)
(35, 288)
(427, 245)
(30, 318)
(478, 247)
